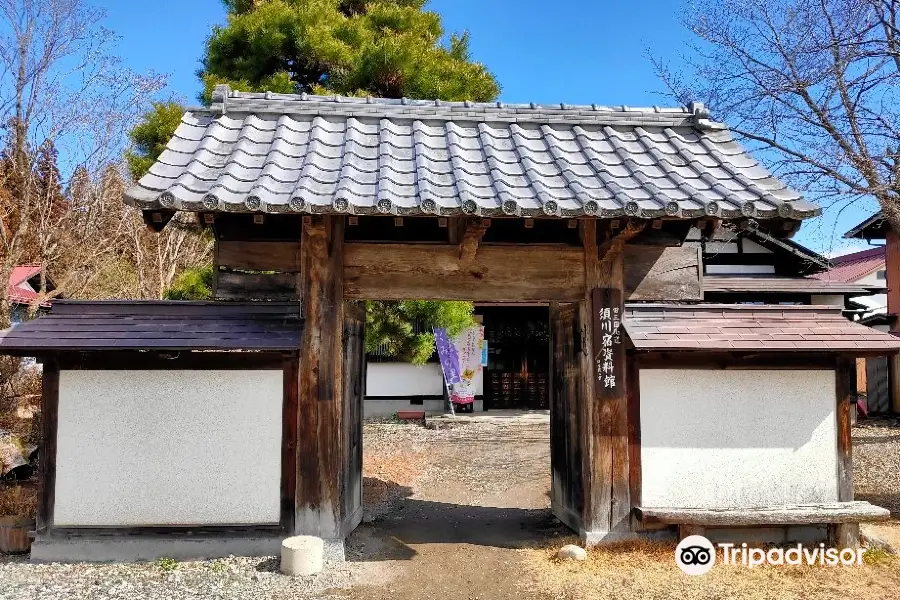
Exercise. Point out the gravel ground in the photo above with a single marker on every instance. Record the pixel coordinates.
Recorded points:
(876, 462)
(233, 577)
(450, 472)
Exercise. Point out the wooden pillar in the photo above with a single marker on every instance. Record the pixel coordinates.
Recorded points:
(604, 413)
(320, 415)
(595, 462)
(844, 535)
(49, 425)
(892, 267)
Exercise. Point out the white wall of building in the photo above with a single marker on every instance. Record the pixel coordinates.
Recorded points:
(827, 299)
(742, 438)
(740, 269)
(751, 247)
(877, 300)
(168, 448)
(392, 387)
(403, 379)
(389, 380)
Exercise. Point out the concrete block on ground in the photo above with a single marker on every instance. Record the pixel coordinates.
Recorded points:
(302, 555)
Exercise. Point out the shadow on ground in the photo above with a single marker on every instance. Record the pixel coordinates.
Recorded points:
(413, 522)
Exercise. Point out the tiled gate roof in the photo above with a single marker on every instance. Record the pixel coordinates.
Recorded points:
(289, 153)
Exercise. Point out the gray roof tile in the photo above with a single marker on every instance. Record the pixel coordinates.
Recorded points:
(287, 153)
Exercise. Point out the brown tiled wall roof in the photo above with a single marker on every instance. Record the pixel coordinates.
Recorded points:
(722, 327)
(128, 325)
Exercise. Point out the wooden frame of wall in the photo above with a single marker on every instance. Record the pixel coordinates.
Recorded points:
(843, 534)
(128, 360)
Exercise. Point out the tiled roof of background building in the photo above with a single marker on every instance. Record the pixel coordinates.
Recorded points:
(20, 292)
(853, 266)
(288, 153)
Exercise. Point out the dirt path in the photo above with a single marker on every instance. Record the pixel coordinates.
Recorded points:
(482, 493)
(464, 514)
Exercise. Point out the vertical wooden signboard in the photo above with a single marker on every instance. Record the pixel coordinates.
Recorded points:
(609, 352)
(610, 409)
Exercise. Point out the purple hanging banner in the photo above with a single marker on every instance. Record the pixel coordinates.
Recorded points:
(448, 355)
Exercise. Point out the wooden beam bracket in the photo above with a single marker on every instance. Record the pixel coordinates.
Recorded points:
(471, 239)
(617, 242)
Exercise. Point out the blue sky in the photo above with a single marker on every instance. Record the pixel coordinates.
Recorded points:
(574, 51)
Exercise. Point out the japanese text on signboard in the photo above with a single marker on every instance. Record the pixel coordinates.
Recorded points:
(610, 337)
(609, 355)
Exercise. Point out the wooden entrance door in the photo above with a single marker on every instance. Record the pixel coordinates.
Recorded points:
(354, 343)
(566, 487)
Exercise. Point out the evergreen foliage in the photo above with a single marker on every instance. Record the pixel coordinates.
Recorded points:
(380, 48)
(193, 283)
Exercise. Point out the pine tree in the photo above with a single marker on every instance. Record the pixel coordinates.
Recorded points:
(381, 48)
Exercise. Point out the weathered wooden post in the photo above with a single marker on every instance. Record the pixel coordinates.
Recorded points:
(319, 415)
(604, 410)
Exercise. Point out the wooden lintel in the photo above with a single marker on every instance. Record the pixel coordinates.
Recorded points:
(282, 257)
(435, 272)
(510, 273)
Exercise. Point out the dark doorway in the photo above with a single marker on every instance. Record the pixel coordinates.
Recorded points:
(517, 373)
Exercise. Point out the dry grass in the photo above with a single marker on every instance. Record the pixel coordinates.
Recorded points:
(647, 570)
(18, 501)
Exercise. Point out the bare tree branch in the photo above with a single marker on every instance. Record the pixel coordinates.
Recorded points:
(816, 82)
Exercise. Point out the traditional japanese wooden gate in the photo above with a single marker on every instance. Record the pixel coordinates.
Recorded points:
(413, 199)
(589, 418)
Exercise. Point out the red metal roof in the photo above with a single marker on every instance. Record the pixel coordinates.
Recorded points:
(774, 328)
(20, 292)
(853, 266)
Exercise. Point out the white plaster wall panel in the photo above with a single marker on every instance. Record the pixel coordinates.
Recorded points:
(721, 247)
(388, 407)
(740, 269)
(875, 300)
(168, 447)
(827, 299)
(741, 438)
(751, 247)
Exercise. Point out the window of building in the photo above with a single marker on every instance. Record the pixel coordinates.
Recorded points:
(881, 274)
